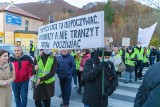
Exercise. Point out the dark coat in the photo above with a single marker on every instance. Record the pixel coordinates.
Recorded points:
(153, 52)
(45, 91)
(149, 92)
(66, 66)
(123, 55)
(93, 85)
(158, 55)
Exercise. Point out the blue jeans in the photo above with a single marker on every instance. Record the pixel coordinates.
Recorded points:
(32, 54)
(65, 84)
(86, 106)
(75, 77)
(153, 60)
(20, 91)
(128, 76)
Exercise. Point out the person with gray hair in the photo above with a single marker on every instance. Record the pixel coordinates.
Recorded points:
(65, 69)
(23, 70)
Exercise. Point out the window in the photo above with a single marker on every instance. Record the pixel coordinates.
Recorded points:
(26, 25)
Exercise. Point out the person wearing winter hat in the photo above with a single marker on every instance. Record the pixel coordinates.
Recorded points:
(92, 75)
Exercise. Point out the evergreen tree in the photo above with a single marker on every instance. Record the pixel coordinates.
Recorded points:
(109, 13)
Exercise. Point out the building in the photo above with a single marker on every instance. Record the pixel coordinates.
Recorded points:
(17, 26)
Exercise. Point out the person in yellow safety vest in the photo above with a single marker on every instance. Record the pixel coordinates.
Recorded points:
(139, 51)
(45, 66)
(131, 57)
(73, 53)
(32, 49)
(146, 58)
(78, 61)
(122, 52)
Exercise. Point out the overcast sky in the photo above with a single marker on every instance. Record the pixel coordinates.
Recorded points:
(77, 3)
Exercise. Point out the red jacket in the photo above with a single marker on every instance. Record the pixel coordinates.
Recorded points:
(23, 67)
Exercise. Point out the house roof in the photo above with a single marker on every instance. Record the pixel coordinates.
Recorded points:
(16, 10)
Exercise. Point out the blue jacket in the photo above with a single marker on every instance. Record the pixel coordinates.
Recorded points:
(66, 66)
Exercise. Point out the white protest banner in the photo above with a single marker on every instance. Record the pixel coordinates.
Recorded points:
(125, 41)
(145, 35)
(86, 31)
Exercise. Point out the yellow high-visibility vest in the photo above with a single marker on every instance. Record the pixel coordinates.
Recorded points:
(44, 70)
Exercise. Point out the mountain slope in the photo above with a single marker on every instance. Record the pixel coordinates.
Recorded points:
(43, 10)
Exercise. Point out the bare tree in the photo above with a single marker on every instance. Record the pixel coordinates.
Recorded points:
(154, 3)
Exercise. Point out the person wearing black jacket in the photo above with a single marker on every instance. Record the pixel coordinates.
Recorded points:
(149, 92)
(158, 55)
(93, 80)
(153, 55)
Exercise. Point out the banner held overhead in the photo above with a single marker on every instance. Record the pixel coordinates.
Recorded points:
(145, 35)
(86, 31)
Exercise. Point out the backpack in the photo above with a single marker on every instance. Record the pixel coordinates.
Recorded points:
(121, 67)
